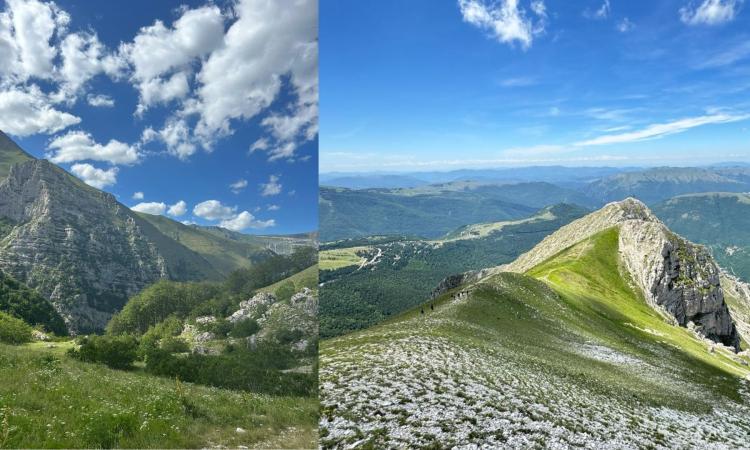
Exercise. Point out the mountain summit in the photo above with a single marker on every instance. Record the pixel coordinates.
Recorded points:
(678, 278)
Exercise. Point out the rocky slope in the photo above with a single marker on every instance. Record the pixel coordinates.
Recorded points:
(77, 246)
(677, 277)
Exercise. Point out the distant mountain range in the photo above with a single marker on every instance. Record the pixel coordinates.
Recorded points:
(596, 185)
(87, 253)
(434, 210)
(654, 185)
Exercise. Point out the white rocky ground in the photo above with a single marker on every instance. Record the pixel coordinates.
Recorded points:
(419, 392)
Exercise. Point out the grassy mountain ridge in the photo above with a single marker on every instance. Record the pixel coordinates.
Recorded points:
(567, 354)
(220, 255)
(368, 282)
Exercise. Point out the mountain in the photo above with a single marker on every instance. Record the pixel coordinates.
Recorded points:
(10, 153)
(550, 174)
(613, 332)
(719, 220)
(658, 184)
(217, 252)
(431, 211)
(87, 253)
(369, 279)
(281, 244)
(374, 181)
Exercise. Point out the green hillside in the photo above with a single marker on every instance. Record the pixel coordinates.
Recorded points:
(222, 255)
(368, 283)
(719, 220)
(566, 355)
(10, 153)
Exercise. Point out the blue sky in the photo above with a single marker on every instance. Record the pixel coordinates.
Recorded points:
(437, 85)
(202, 111)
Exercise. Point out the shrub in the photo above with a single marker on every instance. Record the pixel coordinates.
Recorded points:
(117, 352)
(220, 328)
(285, 291)
(174, 345)
(244, 328)
(14, 331)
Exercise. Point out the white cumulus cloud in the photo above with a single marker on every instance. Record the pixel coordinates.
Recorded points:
(155, 208)
(178, 209)
(138, 195)
(101, 101)
(273, 187)
(214, 210)
(158, 50)
(238, 185)
(244, 76)
(80, 146)
(92, 176)
(245, 220)
(24, 112)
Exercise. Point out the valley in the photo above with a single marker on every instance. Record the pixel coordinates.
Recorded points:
(125, 329)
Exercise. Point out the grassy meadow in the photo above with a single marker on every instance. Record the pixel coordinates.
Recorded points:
(49, 400)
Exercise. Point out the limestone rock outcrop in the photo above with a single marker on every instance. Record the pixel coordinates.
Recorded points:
(677, 278)
(76, 245)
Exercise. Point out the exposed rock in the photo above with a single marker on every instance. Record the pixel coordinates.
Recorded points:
(205, 320)
(39, 335)
(205, 350)
(76, 245)
(675, 276)
(204, 337)
(253, 308)
(737, 294)
(300, 346)
(306, 300)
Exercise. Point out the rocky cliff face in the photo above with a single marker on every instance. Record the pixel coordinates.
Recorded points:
(76, 245)
(676, 277)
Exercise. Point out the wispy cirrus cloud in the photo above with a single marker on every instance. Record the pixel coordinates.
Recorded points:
(710, 12)
(662, 129)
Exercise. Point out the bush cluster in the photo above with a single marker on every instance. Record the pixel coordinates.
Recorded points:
(117, 352)
(13, 330)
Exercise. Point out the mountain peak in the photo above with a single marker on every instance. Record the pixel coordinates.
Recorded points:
(676, 277)
(10, 154)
